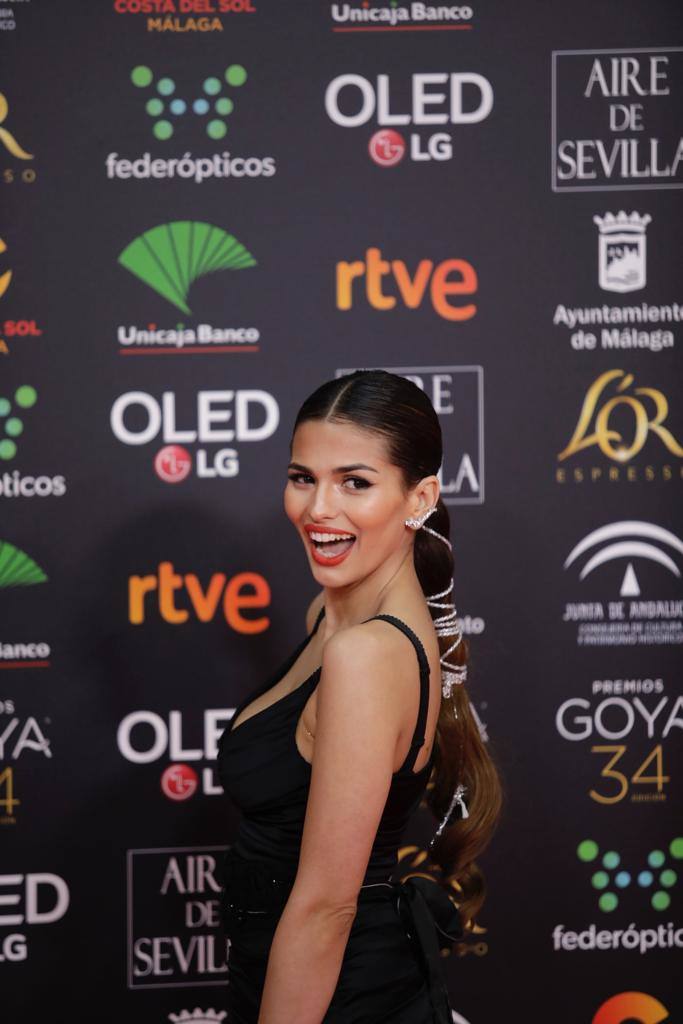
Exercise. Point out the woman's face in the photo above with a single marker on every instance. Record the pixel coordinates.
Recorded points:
(345, 500)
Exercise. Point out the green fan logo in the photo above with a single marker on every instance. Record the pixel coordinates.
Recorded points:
(169, 257)
(12, 425)
(17, 569)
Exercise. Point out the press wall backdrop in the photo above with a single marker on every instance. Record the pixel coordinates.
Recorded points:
(210, 207)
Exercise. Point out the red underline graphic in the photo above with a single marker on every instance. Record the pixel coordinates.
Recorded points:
(173, 351)
(405, 28)
(24, 664)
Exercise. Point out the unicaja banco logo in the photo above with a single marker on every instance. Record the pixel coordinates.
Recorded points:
(17, 569)
(622, 255)
(11, 426)
(611, 878)
(211, 103)
(169, 257)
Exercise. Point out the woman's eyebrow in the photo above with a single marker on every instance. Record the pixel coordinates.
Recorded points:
(339, 469)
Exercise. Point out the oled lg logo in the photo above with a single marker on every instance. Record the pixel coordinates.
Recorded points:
(37, 898)
(436, 98)
(145, 737)
(138, 418)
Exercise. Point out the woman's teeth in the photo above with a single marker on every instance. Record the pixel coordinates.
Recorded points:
(332, 544)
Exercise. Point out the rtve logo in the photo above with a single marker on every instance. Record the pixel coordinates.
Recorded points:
(244, 590)
(443, 282)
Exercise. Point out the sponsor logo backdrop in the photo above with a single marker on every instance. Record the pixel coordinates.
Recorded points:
(211, 207)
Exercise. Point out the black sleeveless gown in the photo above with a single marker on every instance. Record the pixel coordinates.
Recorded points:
(391, 970)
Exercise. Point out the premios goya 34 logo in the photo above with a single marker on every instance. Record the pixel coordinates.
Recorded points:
(427, 100)
(169, 258)
(204, 112)
(619, 426)
(643, 719)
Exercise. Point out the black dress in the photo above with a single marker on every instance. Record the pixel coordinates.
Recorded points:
(391, 969)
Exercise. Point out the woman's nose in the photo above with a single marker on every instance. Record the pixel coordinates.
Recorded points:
(323, 504)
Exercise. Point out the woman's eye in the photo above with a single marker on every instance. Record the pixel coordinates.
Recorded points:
(297, 477)
(361, 481)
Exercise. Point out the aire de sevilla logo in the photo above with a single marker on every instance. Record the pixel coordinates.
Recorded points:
(426, 99)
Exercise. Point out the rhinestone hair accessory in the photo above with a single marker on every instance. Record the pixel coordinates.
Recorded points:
(447, 625)
(457, 798)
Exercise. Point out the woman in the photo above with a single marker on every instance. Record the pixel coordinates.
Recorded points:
(329, 759)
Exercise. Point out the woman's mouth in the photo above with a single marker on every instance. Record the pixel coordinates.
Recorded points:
(330, 548)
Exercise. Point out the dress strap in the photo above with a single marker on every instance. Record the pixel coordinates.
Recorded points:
(423, 661)
(318, 620)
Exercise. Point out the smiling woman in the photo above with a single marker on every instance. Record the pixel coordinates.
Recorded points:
(329, 759)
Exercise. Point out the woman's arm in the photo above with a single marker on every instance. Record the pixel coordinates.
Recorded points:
(360, 705)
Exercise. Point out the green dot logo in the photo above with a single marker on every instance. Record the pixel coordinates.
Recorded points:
(610, 877)
(165, 107)
(12, 425)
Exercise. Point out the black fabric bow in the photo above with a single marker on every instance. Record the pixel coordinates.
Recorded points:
(434, 922)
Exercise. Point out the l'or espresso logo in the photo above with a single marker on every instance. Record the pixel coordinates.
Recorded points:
(457, 394)
(617, 421)
(138, 418)
(204, 111)
(184, 17)
(620, 266)
(626, 590)
(434, 98)
(175, 936)
(12, 150)
(614, 119)
(625, 724)
(447, 287)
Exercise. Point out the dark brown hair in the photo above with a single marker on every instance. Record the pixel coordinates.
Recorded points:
(397, 409)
